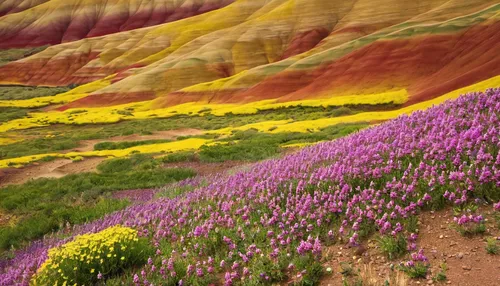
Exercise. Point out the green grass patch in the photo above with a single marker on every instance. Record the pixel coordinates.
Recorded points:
(28, 92)
(46, 205)
(126, 144)
(393, 247)
(252, 145)
(11, 113)
(11, 55)
(187, 156)
(36, 146)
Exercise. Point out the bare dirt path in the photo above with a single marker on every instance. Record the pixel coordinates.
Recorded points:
(62, 167)
(467, 261)
(53, 169)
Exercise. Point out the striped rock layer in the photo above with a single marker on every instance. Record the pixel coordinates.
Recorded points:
(289, 50)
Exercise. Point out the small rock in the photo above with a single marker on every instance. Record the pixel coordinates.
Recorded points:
(453, 243)
(429, 282)
(468, 268)
(448, 282)
(460, 255)
(441, 236)
(360, 250)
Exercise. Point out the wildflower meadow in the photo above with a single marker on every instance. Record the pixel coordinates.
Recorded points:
(273, 221)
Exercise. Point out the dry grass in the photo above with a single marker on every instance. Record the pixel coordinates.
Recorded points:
(369, 276)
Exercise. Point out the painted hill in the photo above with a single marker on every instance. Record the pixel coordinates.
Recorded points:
(58, 21)
(15, 6)
(282, 49)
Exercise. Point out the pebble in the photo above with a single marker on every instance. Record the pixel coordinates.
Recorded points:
(429, 282)
(441, 236)
(468, 268)
(453, 243)
(460, 255)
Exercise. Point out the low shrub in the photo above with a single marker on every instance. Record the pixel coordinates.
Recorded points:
(492, 246)
(46, 205)
(417, 266)
(470, 225)
(93, 257)
(393, 247)
(187, 156)
(126, 144)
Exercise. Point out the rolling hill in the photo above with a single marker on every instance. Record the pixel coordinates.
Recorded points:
(286, 50)
(249, 142)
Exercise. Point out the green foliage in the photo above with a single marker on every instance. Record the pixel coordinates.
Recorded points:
(346, 269)
(251, 145)
(496, 217)
(126, 144)
(10, 55)
(393, 247)
(241, 151)
(11, 113)
(134, 162)
(492, 246)
(28, 92)
(419, 270)
(471, 229)
(313, 274)
(441, 275)
(45, 205)
(187, 156)
(74, 133)
(52, 218)
(36, 146)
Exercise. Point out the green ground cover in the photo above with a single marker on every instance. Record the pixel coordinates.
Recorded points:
(10, 55)
(12, 92)
(46, 205)
(68, 136)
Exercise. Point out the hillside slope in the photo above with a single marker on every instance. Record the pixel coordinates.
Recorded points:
(274, 222)
(58, 21)
(281, 49)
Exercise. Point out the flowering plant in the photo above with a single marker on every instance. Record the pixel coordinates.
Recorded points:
(469, 225)
(91, 257)
(253, 223)
(417, 266)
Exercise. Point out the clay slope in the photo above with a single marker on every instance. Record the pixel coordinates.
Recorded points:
(60, 21)
(282, 49)
(15, 6)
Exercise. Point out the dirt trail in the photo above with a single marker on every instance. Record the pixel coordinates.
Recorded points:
(54, 169)
(466, 258)
(62, 167)
(88, 145)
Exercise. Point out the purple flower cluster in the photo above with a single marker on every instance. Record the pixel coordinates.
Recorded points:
(467, 219)
(286, 208)
(497, 206)
(416, 258)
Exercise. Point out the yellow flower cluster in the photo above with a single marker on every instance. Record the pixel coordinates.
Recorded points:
(86, 256)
